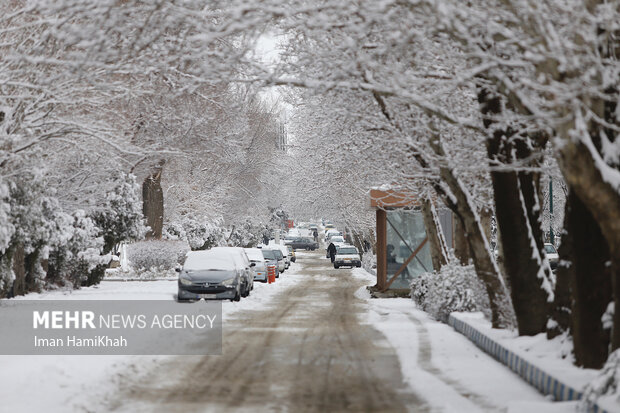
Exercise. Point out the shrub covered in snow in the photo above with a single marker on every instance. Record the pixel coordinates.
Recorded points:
(607, 383)
(200, 233)
(454, 288)
(156, 256)
(120, 216)
(248, 234)
(75, 259)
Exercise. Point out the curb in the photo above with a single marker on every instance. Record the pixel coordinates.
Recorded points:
(541, 380)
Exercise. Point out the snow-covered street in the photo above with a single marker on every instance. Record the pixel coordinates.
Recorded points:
(313, 341)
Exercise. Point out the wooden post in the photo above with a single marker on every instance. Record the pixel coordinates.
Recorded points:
(381, 249)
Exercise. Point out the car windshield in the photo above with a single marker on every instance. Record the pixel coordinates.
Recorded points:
(550, 249)
(346, 250)
(278, 254)
(269, 255)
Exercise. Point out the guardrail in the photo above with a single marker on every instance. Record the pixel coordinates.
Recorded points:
(537, 377)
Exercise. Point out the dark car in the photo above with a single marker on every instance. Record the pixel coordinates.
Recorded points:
(210, 275)
(304, 243)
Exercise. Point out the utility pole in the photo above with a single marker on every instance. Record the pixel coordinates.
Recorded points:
(551, 235)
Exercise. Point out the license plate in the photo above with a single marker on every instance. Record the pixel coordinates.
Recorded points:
(347, 259)
(207, 295)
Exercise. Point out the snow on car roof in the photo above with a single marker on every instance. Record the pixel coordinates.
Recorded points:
(254, 254)
(236, 253)
(208, 260)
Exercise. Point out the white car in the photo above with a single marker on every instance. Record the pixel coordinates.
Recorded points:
(260, 268)
(552, 255)
(331, 233)
(347, 256)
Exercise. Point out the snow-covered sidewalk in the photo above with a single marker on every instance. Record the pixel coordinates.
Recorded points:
(77, 383)
(444, 366)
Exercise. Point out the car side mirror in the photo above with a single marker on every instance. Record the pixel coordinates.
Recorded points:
(177, 269)
(252, 264)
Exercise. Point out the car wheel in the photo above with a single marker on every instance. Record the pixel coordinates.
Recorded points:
(336, 266)
(359, 265)
(237, 297)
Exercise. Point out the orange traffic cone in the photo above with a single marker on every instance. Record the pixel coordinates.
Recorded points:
(271, 274)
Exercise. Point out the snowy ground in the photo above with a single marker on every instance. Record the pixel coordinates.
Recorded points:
(76, 383)
(445, 366)
(437, 363)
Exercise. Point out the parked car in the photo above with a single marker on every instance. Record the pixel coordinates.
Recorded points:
(347, 255)
(260, 269)
(332, 233)
(304, 243)
(271, 259)
(284, 250)
(238, 254)
(280, 256)
(291, 253)
(552, 255)
(210, 275)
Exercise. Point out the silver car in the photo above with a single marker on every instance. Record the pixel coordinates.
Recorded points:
(271, 259)
(241, 258)
(210, 275)
(260, 269)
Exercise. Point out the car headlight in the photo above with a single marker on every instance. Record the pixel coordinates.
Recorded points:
(228, 283)
(184, 279)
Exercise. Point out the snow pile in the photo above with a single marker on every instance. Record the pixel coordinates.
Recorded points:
(453, 288)
(605, 386)
(152, 259)
(369, 262)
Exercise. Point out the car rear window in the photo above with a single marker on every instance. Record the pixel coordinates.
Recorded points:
(269, 254)
(347, 251)
(550, 249)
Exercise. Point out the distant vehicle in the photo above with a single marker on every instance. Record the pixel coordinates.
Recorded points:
(260, 268)
(238, 254)
(302, 243)
(336, 239)
(210, 275)
(271, 259)
(291, 252)
(347, 255)
(330, 233)
(552, 255)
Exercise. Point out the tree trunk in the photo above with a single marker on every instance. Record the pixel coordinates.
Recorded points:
(19, 269)
(435, 236)
(602, 200)
(590, 280)
(502, 315)
(153, 204)
(461, 246)
(517, 210)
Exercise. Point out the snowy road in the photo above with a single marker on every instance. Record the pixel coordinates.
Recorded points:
(305, 351)
(313, 341)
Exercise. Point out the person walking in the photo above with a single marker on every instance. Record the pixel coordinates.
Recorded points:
(331, 250)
